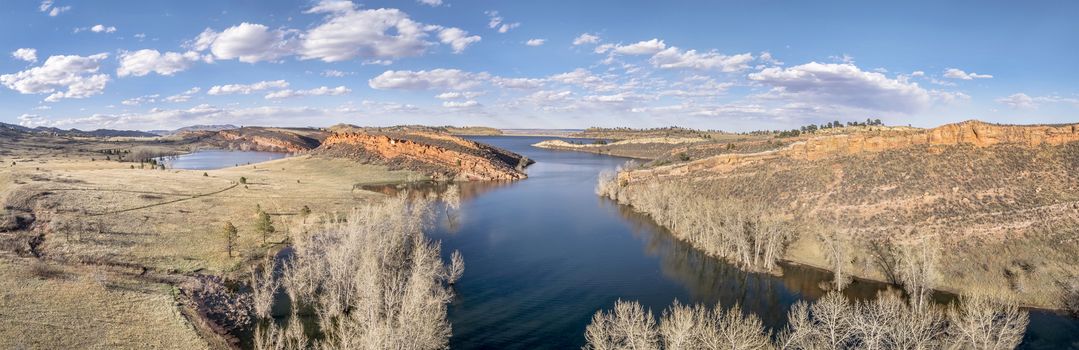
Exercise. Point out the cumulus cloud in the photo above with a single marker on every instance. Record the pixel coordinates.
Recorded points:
(349, 33)
(101, 28)
(649, 47)
(496, 22)
(319, 91)
(157, 118)
(842, 84)
(586, 38)
(247, 42)
(1023, 101)
(461, 104)
(435, 79)
(1018, 101)
(140, 100)
(246, 89)
(63, 76)
(675, 58)
(142, 62)
(535, 42)
(961, 75)
(49, 7)
(25, 54)
(458, 39)
(184, 96)
(432, 3)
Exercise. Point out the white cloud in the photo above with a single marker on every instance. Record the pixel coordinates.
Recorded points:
(140, 100)
(917, 73)
(158, 118)
(1018, 101)
(184, 96)
(675, 58)
(535, 42)
(457, 39)
(766, 57)
(349, 33)
(319, 91)
(1023, 101)
(100, 28)
(586, 38)
(333, 73)
(518, 83)
(843, 85)
(461, 104)
(143, 62)
(64, 76)
(435, 79)
(25, 54)
(433, 3)
(961, 75)
(49, 7)
(455, 95)
(496, 22)
(649, 47)
(245, 89)
(247, 42)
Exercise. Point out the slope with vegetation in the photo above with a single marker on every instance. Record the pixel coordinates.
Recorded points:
(1000, 203)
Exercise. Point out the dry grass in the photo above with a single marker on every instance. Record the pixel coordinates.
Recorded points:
(53, 307)
(1005, 217)
(170, 220)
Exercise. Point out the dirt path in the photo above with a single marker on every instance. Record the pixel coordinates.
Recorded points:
(233, 185)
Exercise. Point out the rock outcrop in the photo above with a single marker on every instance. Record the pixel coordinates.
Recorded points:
(974, 133)
(273, 139)
(441, 155)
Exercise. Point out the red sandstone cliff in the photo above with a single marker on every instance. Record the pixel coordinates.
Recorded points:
(974, 133)
(442, 155)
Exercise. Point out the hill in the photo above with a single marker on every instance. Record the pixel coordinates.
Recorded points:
(999, 203)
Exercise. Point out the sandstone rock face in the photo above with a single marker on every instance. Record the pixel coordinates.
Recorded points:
(269, 140)
(444, 155)
(975, 133)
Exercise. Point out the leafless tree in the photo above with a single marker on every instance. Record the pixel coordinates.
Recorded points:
(980, 322)
(456, 268)
(918, 272)
(374, 281)
(628, 326)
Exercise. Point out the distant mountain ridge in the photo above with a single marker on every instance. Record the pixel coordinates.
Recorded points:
(199, 127)
(76, 132)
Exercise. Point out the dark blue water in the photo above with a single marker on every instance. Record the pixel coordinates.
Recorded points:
(542, 255)
(218, 159)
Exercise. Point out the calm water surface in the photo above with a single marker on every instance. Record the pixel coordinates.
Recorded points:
(218, 159)
(543, 254)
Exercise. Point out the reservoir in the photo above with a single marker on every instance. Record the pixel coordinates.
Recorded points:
(542, 255)
(218, 159)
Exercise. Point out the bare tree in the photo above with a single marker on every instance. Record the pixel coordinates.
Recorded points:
(979, 322)
(918, 272)
(837, 252)
(628, 326)
(456, 268)
(374, 281)
(263, 286)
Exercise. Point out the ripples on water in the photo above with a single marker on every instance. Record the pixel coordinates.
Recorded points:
(542, 255)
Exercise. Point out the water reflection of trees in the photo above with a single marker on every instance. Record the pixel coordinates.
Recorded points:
(468, 189)
(710, 280)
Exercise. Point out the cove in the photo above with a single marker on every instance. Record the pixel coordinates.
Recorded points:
(543, 254)
(218, 159)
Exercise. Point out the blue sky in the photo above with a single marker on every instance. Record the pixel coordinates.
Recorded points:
(731, 65)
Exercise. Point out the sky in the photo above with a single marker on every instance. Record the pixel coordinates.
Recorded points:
(725, 65)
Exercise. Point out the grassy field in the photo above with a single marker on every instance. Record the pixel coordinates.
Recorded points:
(93, 216)
(170, 220)
(55, 307)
